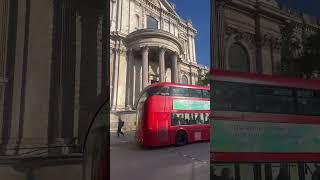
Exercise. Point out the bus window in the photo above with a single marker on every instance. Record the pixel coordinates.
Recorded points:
(164, 91)
(174, 119)
(274, 100)
(206, 94)
(232, 97)
(177, 119)
(206, 118)
(187, 118)
(195, 93)
(176, 91)
(200, 118)
(308, 102)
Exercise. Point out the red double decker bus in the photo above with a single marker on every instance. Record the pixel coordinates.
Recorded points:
(264, 118)
(169, 113)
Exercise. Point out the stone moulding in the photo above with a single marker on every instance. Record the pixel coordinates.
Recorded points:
(154, 37)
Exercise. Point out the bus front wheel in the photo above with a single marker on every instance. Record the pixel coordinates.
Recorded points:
(181, 138)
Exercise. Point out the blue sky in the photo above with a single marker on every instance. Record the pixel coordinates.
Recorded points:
(199, 13)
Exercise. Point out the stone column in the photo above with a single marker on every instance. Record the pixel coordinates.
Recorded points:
(162, 64)
(174, 68)
(179, 71)
(145, 53)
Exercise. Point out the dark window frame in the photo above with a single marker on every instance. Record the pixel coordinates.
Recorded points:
(294, 95)
(152, 23)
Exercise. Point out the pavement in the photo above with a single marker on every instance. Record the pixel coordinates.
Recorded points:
(129, 161)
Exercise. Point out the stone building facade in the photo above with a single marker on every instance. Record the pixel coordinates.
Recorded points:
(248, 34)
(53, 69)
(149, 43)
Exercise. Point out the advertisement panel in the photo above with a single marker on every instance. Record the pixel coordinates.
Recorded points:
(266, 137)
(179, 104)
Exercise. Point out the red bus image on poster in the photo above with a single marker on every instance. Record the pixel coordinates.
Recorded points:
(264, 118)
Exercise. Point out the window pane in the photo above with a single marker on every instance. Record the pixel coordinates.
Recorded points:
(206, 118)
(186, 119)
(274, 104)
(153, 90)
(152, 23)
(184, 92)
(158, 91)
(309, 106)
(274, 100)
(206, 94)
(195, 93)
(199, 118)
(232, 96)
(274, 91)
(193, 119)
(177, 119)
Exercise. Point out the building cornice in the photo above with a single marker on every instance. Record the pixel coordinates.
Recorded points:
(165, 14)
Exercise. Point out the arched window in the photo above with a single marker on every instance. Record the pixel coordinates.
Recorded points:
(152, 23)
(184, 79)
(238, 58)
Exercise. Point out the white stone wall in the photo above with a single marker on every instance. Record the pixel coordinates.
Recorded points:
(124, 13)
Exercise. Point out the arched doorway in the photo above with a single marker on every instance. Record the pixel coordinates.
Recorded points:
(238, 58)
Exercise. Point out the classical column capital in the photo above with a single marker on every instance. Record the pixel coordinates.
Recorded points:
(162, 50)
(175, 53)
(145, 48)
(129, 51)
(123, 51)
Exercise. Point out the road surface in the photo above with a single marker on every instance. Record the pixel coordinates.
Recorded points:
(129, 161)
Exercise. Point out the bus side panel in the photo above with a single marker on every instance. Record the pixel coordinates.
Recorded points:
(158, 118)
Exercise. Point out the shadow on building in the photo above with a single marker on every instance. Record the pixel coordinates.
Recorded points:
(53, 73)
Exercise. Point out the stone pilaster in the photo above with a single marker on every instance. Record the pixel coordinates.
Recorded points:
(4, 31)
(122, 79)
(219, 62)
(116, 53)
(63, 73)
(276, 57)
(77, 76)
(4, 28)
